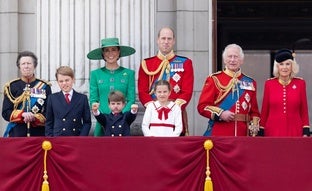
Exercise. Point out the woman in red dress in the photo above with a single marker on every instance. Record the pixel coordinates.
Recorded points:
(284, 107)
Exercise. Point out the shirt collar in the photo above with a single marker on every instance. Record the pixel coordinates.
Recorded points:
(70, 93)
(169, 56)
(231, 73)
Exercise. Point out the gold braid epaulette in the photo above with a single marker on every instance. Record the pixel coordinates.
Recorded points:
(151, 73)
(162, 65)
(47, 82)
(16, 101)
(223, 89)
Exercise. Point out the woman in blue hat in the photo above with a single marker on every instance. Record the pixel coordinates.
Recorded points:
(284, 106)
(111, 77)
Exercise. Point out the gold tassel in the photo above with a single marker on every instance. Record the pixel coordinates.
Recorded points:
(46, 145)
(45, 186)
(208, 182)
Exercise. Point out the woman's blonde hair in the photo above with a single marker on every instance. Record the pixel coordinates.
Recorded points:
(294, 68)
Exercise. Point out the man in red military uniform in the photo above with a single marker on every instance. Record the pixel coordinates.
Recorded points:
(166, 65)
(228, 98)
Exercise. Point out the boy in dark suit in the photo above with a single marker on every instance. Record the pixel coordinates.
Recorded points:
(68, 112)
(116, 123)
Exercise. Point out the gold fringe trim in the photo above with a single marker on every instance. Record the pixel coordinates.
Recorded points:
(161, 57)
(214, 109)
(40, 119)
(46, 145)
(163, 66)
(180, 102)
(224, 89)
(24, 96)
(208, 182)
(16, 101)
(150, 73)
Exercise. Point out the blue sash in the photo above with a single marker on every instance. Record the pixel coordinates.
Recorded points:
(227, 103)
(175, 65)
(10, 126)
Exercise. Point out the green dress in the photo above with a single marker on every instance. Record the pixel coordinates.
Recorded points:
(103, 81)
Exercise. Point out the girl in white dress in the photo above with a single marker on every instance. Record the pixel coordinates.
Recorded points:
(162, 117)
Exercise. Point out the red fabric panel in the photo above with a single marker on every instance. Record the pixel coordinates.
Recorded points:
(258, 164)
(21, 164)
(156, 164)
(104, 163)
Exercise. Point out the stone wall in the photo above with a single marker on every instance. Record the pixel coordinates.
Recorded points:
(62, 32)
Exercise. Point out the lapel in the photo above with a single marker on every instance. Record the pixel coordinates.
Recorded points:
(68, 107)
(61, 98)
(114, 119)
(75, 99)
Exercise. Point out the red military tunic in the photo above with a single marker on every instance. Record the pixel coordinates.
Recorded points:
(231, 91)
(284, 108)
(179, 72)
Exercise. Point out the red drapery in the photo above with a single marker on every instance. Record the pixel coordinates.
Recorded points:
(156, 164)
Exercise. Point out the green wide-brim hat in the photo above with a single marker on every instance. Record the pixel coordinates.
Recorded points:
(96, 54)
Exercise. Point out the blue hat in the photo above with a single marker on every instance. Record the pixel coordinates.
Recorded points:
(96, 54)
(283, 54)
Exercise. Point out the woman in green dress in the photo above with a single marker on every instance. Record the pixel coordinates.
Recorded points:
(111, 77)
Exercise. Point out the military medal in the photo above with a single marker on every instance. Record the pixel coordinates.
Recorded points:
(247, 97)
(173, 68)
(244, 105)
(37, 93)
(181, 69)
(35, 109)
(177, 66)
(245, 85)
(176, 88)
(40, 101)
(176, 77)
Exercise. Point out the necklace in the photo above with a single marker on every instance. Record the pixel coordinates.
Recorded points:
(284, 82)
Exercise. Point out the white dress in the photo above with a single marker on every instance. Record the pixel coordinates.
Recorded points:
(162, 121)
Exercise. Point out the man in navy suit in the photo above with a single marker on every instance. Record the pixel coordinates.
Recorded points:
(68, 112)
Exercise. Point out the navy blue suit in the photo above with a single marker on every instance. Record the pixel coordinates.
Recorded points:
(65, 119)
(116, 125)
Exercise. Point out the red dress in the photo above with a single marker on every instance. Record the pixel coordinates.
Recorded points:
(284, 108)
(231, 91)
